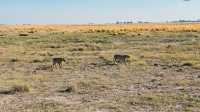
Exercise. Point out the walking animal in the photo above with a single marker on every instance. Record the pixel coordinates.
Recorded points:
(120, 58)
(57, 62)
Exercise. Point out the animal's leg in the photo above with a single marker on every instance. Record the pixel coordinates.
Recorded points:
(60, 65)
(114, 60)
(56, 66)
(118, 60)
(124, 60)
(53, 65)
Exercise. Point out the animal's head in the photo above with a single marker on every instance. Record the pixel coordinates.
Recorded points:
(126, 56)
(63, 59)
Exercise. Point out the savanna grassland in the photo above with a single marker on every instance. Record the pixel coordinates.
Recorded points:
(162, 75)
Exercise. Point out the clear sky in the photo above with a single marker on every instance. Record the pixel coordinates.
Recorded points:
(95, 11)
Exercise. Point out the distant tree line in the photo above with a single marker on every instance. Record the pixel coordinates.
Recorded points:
(177, 21)
(186, 21)
(124, 22)
(130, 22)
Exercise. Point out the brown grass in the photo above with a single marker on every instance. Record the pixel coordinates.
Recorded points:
(161, 75)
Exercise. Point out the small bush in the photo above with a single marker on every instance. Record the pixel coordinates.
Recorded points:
(31, 31)
(77, 49)
(20, 89)
(37, 61)
(69, 89)
(55, 46)
(23, 34)
(187, 64)
(43, 67)
(14, 60)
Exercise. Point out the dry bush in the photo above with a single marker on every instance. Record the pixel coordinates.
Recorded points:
(14, 60)
(20, 88)
(44, 67)
(173, 27)
(16, 89)
(23, 34)
(94, 83)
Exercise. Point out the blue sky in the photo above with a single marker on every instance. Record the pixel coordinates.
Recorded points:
(95, 11)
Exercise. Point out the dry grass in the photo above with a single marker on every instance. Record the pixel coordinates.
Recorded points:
(161, 75)
(112, 28)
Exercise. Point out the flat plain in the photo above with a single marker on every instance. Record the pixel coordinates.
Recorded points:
(162, 75)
